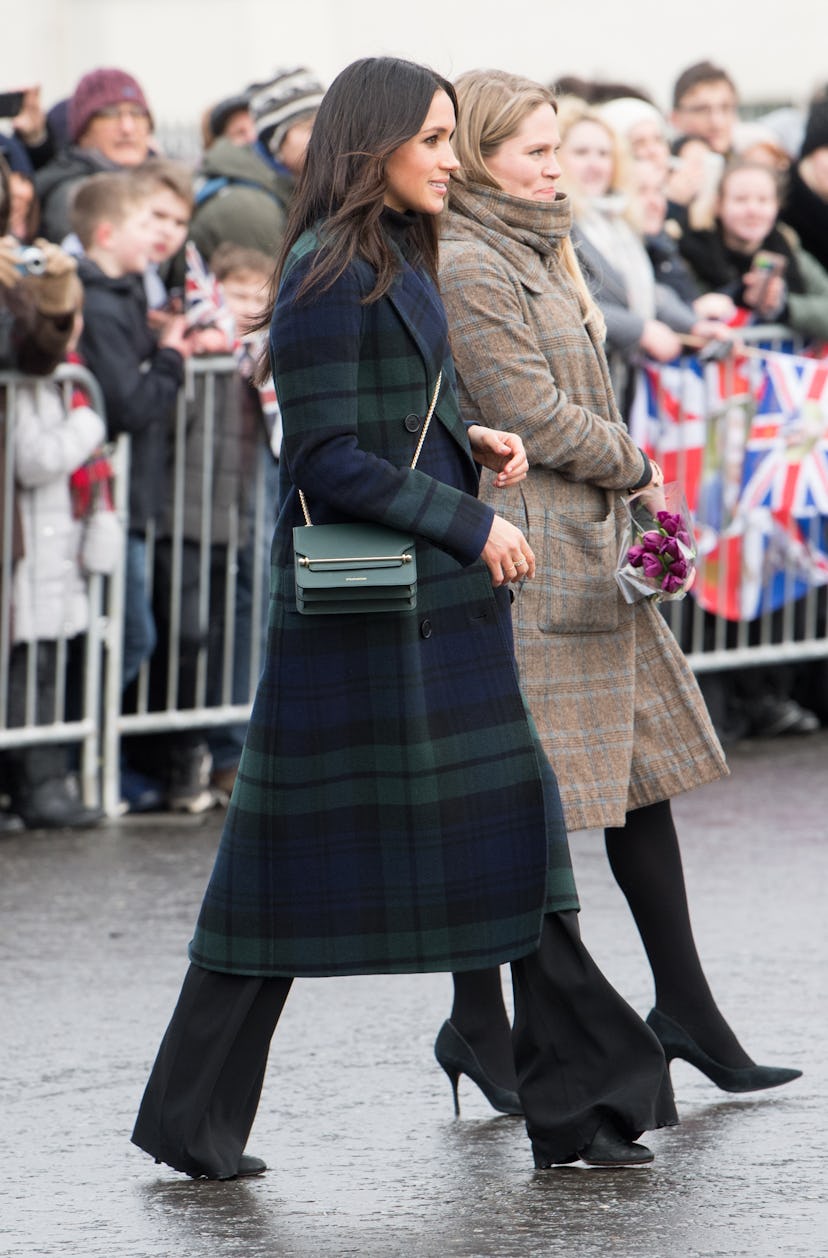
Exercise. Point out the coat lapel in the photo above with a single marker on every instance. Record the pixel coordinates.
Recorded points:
(418, 304)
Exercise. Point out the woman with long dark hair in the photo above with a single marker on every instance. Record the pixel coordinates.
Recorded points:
(616, 705)
(392, 811)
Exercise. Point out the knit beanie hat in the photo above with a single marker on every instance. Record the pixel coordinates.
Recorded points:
(290, 96)
(97, 90)
(816, 128)
(625, 112)
(221, 113)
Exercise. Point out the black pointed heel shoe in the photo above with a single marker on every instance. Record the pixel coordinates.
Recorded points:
(677, 1043)
(607, 1149)
(457, 1058)
(248, 1165)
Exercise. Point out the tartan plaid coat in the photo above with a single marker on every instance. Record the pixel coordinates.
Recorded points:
(617, 708)
(392, 811)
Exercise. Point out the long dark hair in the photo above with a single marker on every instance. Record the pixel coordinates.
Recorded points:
(5, 196)
(369, 110)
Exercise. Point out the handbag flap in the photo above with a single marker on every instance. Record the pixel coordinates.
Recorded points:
(338, 556)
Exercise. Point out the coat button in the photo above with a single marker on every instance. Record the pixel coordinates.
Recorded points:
(426, 629)
(412, 423)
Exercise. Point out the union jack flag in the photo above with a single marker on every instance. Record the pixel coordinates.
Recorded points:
(748, 440)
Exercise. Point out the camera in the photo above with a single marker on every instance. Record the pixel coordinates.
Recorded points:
(30, 260)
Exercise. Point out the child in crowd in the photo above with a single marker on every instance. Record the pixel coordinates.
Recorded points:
(169, 188)
(139, 375)
(49, 596)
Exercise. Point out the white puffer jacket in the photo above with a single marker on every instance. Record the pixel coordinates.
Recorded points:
(49, 598)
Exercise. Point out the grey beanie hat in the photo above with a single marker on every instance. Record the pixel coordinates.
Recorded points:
(284, 100)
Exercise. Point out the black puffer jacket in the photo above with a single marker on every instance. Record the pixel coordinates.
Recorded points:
(140, 382)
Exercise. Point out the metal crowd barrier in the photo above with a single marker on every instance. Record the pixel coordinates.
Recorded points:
(156, 705)
(218, 696)
(796, 631)
(152, 704)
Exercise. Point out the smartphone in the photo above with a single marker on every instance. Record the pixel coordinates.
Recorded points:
(10, 104)
(768, 266)
(769, 263)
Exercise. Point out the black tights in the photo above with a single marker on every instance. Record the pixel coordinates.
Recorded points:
(645, 860)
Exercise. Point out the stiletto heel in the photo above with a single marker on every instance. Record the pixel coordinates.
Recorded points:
(454, 1080)
(677, 1043)
(457, 1057)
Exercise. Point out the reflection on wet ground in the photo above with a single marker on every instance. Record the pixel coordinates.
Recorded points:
(356, 1120)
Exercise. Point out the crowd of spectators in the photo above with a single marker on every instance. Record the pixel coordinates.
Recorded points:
(671, 212)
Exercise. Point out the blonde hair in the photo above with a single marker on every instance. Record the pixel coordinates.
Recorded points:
(108, 197)
(492, 104)
(572, 111)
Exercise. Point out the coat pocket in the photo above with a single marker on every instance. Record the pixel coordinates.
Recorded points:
(576, 567)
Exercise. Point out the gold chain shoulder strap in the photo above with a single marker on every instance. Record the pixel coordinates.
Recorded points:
(431, 410)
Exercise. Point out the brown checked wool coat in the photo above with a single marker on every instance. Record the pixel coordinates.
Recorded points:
(617, 707)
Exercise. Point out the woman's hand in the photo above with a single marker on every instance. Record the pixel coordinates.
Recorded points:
(501, 452)
(767, 296)
(659, 341)
(652, 493)
(507, 554)
(713, 330)
(715, 306)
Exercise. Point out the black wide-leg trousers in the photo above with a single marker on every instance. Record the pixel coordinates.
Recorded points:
(582, 1055)
(203, 1092)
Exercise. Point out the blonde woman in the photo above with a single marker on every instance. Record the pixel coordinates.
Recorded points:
(617, 708)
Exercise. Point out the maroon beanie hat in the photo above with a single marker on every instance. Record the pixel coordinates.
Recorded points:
(98, 90)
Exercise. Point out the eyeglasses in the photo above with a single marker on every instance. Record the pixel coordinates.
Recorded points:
(121, 112)
(727, 109)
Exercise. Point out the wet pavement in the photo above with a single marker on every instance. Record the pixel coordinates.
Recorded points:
(356, 1120)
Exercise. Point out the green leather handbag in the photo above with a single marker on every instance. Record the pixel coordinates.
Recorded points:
(356, 567)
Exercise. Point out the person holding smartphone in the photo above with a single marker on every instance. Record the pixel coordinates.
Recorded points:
(758, 261)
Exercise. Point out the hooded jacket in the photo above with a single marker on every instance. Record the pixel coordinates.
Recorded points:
(55, 182)
(239, 199)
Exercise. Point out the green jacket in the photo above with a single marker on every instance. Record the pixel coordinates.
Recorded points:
(249, 209)
(808, 311)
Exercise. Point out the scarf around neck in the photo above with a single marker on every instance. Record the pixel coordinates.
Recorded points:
(540, 226)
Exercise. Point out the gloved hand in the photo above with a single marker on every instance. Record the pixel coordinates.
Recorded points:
(9, 275)
(58, 290)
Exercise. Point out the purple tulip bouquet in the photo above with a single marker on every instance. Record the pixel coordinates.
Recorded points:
(658, 555)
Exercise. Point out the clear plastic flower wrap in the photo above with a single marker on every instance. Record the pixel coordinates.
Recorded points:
(657, 559)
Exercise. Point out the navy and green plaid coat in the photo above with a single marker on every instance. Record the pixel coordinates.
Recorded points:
(392, 810)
